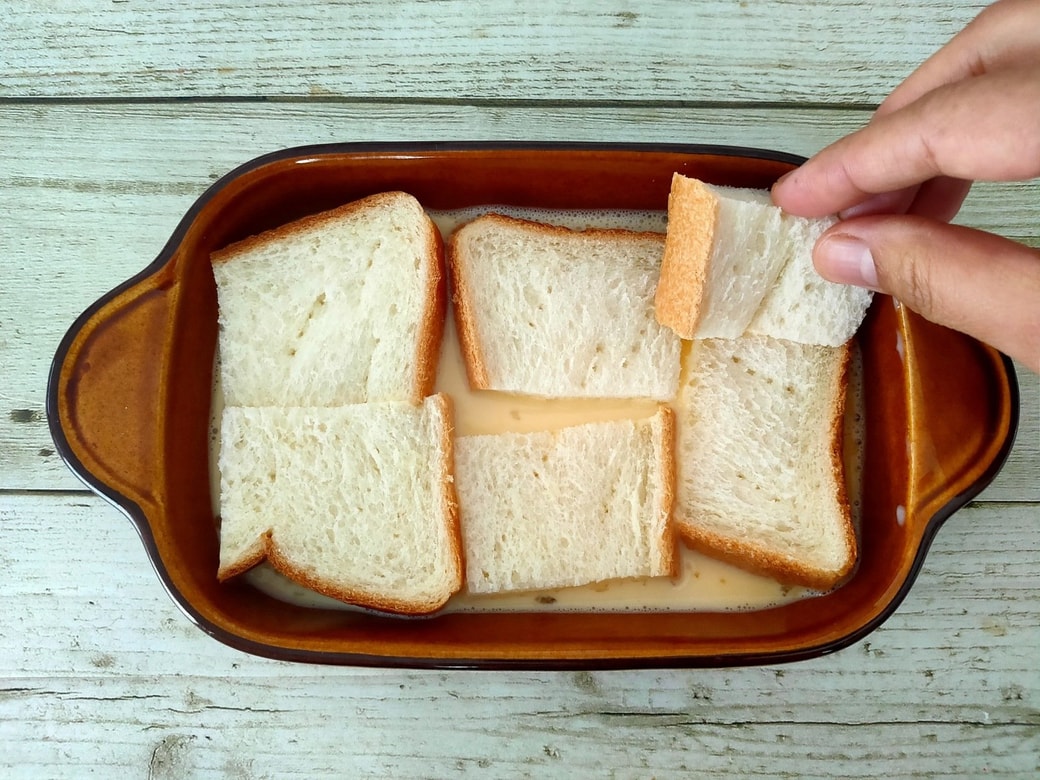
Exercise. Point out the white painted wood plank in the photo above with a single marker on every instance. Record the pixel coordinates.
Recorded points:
(115, 180)
(102, 674)
(837, 52)
(184, 728)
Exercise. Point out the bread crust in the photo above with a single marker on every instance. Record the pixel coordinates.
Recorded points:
(466, 322)
(256, 554)
(837, 454)
(669, 472)
(693, 218)
(431, 324)
(247, 245)
(763, 560)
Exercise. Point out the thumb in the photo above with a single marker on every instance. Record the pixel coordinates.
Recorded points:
(975, 282)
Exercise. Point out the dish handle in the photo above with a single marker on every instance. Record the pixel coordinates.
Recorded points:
(963, 406)
(106, 391)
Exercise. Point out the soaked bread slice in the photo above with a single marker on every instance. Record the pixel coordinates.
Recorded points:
(342, 307)
(355, 502)
(559, 313)
(761, 477)
(582, 504)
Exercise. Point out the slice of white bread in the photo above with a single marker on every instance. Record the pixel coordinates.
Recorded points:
(355, 502)
(734, 263)
(724, 250)
(342, 307)
(761, 476)
(531, 302)
(579, 505)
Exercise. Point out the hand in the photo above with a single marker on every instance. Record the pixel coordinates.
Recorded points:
(971, 111)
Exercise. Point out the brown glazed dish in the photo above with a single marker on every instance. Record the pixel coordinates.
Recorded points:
(131, 384)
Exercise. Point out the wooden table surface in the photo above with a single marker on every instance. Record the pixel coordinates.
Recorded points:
(115, 116)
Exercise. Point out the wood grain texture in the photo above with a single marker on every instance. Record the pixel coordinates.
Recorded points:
(100, 678)
(107, 185)
(115, 116)
(717, 51)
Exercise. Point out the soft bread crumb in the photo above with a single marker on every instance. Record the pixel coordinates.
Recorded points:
(579, 505)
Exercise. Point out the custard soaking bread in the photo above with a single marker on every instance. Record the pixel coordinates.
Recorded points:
(579, 505)
(735, 264)
(355, 502)
(342, 307)
(761, 478)
(559, 313)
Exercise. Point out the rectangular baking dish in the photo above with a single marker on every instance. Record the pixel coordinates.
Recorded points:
(131, 385)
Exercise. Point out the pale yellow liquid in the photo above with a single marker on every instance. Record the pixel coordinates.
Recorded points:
(703, 583)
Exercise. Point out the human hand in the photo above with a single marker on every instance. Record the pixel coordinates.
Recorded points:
(970, 112)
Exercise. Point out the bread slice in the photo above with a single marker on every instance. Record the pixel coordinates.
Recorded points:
(723, 252)
(342, 307)
(735, 264)
(552, 312)
(761, 476)
(583, 504)
(355, 502)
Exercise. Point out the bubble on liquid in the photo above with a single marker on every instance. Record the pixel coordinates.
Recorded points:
(577, 219)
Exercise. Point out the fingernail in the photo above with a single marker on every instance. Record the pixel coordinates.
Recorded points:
(883, 203)
(846, 259)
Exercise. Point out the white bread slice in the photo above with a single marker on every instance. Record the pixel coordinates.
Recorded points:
(355, 502)
(342, 307)
(803, 306)
(724, 250)
(552, 312)
(761, 477)
(583, 504)
(735, 264)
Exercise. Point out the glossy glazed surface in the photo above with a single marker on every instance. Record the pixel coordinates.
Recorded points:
(131, 386)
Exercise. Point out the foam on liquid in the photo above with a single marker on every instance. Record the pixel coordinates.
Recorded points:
(703, 583)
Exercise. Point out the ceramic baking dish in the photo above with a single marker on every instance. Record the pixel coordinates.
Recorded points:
(131, 385)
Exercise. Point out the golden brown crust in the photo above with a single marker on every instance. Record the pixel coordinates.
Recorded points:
(669, 538)
(838, 459)
(256, 554)
(431, 324)
(247, 245)
(465, 324)
(762, 560)
(693, 217)
(758, 560)
(547, 229)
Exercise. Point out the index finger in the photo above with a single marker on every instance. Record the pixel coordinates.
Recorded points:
(987, 127)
